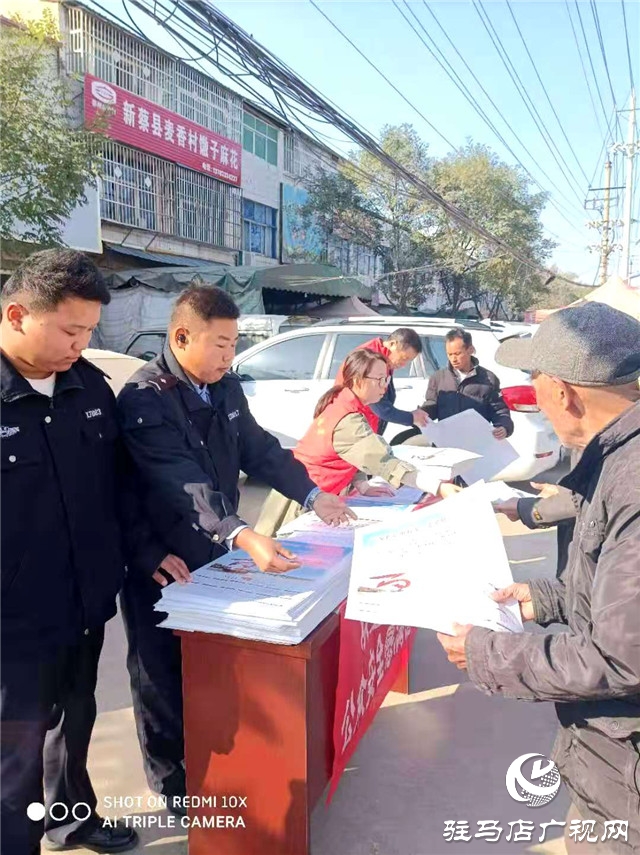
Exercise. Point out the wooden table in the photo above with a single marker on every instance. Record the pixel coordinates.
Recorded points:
(258, 723)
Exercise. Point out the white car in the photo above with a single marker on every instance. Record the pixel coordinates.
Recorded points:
(117, 366)
(284, 377)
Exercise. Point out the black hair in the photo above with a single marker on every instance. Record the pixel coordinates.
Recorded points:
(463, 335)
(407, 339)
(206, 302)
(48, 277)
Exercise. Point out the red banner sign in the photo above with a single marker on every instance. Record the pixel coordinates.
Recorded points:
(371, 658)
(140, 123)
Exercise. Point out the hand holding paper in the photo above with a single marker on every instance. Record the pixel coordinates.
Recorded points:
(454, 645)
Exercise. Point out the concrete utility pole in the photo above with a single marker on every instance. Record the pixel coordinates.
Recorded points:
(631, 149)
(604, 225)
(605, 246)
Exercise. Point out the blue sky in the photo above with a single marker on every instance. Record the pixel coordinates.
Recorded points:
(297, 33)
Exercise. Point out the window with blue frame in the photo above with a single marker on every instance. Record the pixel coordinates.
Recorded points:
(260, 228)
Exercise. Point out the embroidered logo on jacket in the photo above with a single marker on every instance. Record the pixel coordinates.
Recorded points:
(6, 432)
(234, 415)
(92, 414)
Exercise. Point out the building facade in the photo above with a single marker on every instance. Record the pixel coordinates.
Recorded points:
(191, 170)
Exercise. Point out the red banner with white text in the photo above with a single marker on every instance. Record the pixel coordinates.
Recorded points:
(371, 658)
(142, 124)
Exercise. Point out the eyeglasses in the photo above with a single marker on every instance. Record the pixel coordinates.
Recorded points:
(381, 381)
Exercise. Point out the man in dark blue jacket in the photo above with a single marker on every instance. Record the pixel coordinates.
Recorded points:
(189, 431)
(62, 555)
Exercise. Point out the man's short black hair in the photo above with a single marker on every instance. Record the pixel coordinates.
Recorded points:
(207, 302)
(406, 339)
(457, 333)
(48, 277)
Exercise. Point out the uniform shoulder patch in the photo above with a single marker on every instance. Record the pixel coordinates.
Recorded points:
(161, 383)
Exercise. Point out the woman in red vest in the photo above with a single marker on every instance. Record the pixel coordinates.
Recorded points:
(341, 449)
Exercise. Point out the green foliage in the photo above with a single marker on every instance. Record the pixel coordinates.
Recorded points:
(44, 161)
(496, 196)
(421, 246)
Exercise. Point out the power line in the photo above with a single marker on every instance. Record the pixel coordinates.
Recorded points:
(381, 73)
(524, 95)
(608, 137)
(593, 71)
(626, 35)
(544, 89)
(596, 20)
(459, 83)
(267, 68)
(584, 70)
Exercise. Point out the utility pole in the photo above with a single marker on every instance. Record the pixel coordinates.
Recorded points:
(604, 225)
(605, 246)
(631, 150)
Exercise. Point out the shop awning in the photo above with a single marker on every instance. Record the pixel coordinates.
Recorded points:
(322, 279)
(155, 257)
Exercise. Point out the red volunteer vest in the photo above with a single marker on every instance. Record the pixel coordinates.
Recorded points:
(315, 450)
(377, 346)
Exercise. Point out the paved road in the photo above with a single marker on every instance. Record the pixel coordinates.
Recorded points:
(438, 754)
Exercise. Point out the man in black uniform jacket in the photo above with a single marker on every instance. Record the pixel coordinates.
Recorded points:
(62, 556)
(189, 431)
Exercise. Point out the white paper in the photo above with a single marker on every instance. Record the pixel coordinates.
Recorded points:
(498, 492)
(447, 462)
(309, 528)
(433, 568)
(468, 430)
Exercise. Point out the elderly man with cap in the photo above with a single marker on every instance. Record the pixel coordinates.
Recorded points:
(585, 364)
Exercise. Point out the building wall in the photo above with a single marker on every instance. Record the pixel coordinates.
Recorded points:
(149, 202)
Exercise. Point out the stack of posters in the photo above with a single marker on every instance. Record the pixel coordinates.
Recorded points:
(232, 597)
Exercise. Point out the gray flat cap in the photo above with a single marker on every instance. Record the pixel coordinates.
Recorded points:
(588, 345)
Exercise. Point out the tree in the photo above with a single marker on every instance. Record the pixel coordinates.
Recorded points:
(498, 197)
(45, 162)
(368, 204)
(557, 293)
(421, 245)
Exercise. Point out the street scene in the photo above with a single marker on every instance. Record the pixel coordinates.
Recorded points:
(320, 427)
(441, 751)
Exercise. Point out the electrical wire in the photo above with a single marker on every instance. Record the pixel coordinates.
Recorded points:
(626, 35)
(268, 69)
(596, 113)
(526, 98)
(459, 83)
(596, 20)
(544, 89)
(381, 74)
(593, 71)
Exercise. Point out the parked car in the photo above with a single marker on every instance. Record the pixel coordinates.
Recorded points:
(284, 377)
(117, 366)
(147, 344)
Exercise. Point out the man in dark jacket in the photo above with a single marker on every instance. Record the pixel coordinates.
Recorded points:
(189, 431)
(399, 349)
(62, 556)
(464, 384)
(585, 362)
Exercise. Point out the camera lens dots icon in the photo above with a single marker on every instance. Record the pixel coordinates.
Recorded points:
(36, 811)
